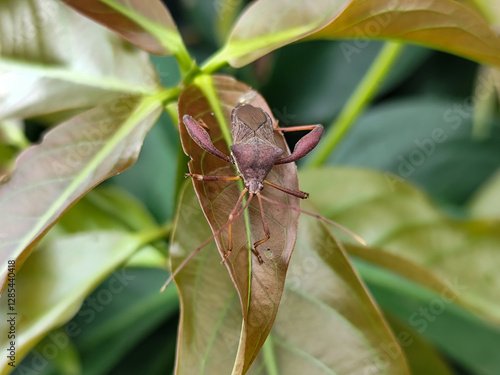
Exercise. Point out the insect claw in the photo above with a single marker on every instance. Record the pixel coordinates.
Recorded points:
(259, 258)
(226, 255)
(257, 254)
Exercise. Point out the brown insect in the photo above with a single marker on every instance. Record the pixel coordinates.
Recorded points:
(254, 153)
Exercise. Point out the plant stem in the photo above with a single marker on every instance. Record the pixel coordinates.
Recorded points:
(215, 62)
(362, 96)
(269, 356)
(154, 234)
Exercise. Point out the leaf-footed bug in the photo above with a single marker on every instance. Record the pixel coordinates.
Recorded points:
(254, 153)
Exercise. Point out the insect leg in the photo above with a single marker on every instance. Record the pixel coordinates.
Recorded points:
(296, 128)
(201, 177)
(202, 138)
(296, 193)
(230, 221)
(304, 145)
(337, 225)
(197, 250)
(266, 231)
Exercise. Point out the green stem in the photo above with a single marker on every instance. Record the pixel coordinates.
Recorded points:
(216, 62)
(154, 234)
(358, 101)
(206, 85)
(168, 95)
(269, 356)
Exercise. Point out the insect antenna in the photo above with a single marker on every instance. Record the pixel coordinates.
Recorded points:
(336, 225)
(197, 250)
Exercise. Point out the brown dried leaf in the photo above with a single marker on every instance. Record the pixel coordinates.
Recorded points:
(259, 286)
(152, 10)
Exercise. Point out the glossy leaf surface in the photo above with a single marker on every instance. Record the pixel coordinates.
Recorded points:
(327, 322)
(56, 279)
(458, 258)
(441, 24)
(53, 59)
(72, 159)
(152, 12)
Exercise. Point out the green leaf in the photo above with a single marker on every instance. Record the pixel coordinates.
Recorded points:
(486, 202)
(326, 318)
(485, 106)
(111, 328)
(269, 24)
(421, 356)
(158, 158)
(72, 159)
(422, 140)
(313, 94)
(105, 208)
(460, 335)
(50, 52)
(442, 24)
(400, 221)
(489, 8)
(141, 23)
(64, 272)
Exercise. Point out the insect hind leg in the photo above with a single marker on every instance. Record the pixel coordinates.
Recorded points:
(230, 221)
(266, 231)
(201, 177)
(295, 193)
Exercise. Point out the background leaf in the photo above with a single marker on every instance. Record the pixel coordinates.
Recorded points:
(309, 92)
(267, 25)
(442, 24)
(445, 25)
(421, 356)
(425, 140)
(158, 158)
(322, 295)
(106, 208)
(259, 285)
(401, 221)
(53, 59)
(468, 342)
(153, 11)
(111, 330)
(486, 203)
(64, 272)
(72, 159)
